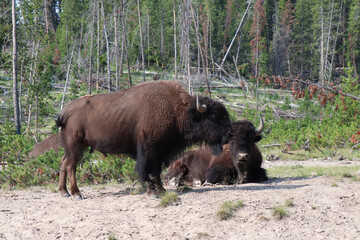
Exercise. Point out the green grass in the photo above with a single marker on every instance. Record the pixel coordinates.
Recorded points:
(302, 171)
(279, 212)
(227, 209)
(168, 198)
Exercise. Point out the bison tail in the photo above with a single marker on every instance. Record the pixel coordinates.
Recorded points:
(61, 120)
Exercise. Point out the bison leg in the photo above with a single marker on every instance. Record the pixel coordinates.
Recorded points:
(71, 171)
(73, 152)
(184, 171)
(155, 186)
(62, 180)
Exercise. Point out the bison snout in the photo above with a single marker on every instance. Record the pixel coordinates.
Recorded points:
(242, 156)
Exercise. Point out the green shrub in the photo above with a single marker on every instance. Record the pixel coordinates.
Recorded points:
(227, 209)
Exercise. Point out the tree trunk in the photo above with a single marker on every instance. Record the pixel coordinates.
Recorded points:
(14, 73)
(125, 40)
(107, 46)
(236, 33)
(98, 47)
(162, 34)
(79, 51)
(67, 79)
(141, 41)
(175, 50)
(116, 51)
(91, 47)
(322, 47)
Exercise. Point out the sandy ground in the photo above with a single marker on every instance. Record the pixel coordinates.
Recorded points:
(320, 211)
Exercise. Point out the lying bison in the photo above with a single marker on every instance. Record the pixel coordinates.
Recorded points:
(153, 121)
(51, 142)
(240, 160)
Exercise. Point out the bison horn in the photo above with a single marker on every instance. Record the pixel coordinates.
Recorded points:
(200, 108)
(260, 128)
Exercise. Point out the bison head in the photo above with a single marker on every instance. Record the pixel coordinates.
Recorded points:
(242, 144)
(208, 122)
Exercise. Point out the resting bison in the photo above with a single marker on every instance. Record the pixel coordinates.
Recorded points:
(240, 160)
(153, 121)
(51, 142)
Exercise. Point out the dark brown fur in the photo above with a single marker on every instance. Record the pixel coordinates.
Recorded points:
(153, 121)
(201, 164)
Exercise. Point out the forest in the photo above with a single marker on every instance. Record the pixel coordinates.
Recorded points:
(294, 61)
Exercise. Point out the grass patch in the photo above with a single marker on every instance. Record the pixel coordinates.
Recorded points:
(279, 212)
(301, 154)
(227, 209)
(168, 198)
(334, 184)
(112, 237)
(289, 203)
(301, 171)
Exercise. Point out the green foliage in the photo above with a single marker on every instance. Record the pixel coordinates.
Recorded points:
(301, 171)
(280, 212)
(227, 209)
(168, 198)
(17, 170)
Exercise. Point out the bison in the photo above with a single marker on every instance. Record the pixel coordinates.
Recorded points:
(153, 121)
(52, 142)
(240, 160)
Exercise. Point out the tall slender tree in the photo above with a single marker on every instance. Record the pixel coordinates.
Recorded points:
(14, 72)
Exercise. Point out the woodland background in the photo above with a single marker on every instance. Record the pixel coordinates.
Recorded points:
(295, 62)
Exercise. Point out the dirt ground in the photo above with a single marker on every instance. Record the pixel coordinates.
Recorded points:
(320, 211)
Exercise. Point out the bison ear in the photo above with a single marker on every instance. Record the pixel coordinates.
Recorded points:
(258, 138)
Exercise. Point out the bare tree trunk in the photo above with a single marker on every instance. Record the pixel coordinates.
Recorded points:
(236, 33)
(328, 40)
(91, 47)
(116, 51)
(196, 24)
(211, 52)
(175, 48)
(185, 39)
(46, 14)
(98, 47)
(67, 78)
(36, 118)
(20, 87)
(141, 41)
(162, 34)
(107, 46)
(32, 71)
(125, 40)
(322, 47)
(336, 36)
(148, 34)
(14, 73)
(79, 51)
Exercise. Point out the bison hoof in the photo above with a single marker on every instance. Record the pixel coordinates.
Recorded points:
(207, 184)
(66, 194)
(78, 197)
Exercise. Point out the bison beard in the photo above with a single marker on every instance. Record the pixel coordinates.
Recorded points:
(153, 121)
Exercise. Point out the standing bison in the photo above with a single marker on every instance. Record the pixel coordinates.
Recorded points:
(240, 160)
(153, 121)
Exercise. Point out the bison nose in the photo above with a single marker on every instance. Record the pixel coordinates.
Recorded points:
(242, 156)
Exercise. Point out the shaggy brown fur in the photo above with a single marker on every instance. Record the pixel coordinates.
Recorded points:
(154, 121)
(227, 168)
